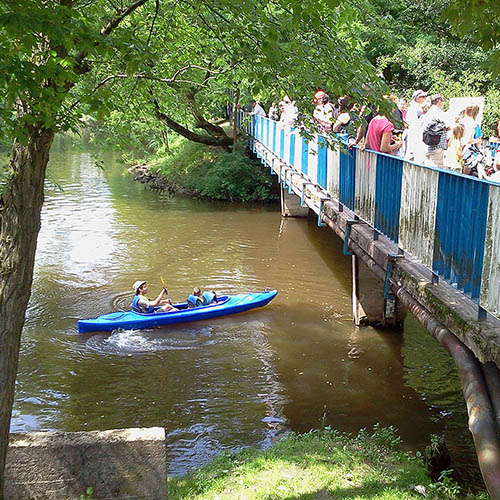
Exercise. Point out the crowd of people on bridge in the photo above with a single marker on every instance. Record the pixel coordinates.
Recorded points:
(419, 130)
(285, 112)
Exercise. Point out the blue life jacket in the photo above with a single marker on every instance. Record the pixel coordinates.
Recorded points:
(205, 299)
(208, 297)
(136, 308)
(194, 301)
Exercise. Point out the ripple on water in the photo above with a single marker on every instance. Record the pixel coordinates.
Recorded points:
(135, 342)
(120, 301)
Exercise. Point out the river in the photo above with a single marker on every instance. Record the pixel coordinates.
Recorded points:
(297, 364)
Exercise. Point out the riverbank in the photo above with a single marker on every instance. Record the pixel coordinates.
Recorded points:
(206, 172)
(319, 465)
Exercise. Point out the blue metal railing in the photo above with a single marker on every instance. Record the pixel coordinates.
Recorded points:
(460, 232)
(462, 213)
(292, 146)
(388, 196)
(305, 156)
(322, 162)
(347, 177)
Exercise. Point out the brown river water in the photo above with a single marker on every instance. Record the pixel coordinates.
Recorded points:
(223, 384)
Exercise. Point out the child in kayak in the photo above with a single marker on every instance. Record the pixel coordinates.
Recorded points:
(199, 298)
(141, 303)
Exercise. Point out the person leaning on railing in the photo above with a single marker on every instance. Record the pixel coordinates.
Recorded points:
(366, 115)
(379, 136)
(288, 111)
(257, 109)
(323, 113)
(454, 153)
(344, 122)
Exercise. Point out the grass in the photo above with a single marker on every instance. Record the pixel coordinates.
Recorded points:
(319, 465)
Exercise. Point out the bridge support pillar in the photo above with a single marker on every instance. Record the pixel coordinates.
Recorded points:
(369, 305)
(290, 205)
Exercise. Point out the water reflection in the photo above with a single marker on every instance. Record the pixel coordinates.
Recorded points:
(232, 382)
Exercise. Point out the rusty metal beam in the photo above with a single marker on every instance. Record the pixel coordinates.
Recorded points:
(482, 422)
(492, 376)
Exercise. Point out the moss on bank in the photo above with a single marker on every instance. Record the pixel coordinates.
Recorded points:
(212, 173)
(319, 465)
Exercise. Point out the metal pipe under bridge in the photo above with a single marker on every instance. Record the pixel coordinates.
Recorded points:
(421, 238)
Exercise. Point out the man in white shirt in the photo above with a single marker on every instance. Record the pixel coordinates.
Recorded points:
(415, 148)
(257, 109)
(288, 111)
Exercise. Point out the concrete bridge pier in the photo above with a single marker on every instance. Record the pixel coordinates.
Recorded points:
(369, 305)
(290, 205)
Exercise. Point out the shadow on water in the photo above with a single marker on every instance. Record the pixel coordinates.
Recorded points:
(387, 376)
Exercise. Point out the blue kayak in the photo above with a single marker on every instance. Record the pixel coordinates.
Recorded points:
(131, 320)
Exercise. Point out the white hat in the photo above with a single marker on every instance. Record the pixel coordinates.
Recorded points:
(419, 93)
(138, 285)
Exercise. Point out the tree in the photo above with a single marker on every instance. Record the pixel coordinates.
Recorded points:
(259, 49)
(45, 48)
(411, 43)
(416, 44)
(480, 21)
(57, 58)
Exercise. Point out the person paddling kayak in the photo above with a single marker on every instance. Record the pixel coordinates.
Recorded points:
(141, 303)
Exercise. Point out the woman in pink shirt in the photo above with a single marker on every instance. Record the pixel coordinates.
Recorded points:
(379, 136)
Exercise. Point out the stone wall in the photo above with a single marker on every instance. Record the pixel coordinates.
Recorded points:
(121, 463)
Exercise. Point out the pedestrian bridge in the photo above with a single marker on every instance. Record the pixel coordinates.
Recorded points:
(421, 239)
(433, 231)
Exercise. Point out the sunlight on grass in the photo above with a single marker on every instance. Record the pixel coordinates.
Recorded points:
(319, 465)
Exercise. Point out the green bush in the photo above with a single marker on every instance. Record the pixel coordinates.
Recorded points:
(231, 176)
(213, 173)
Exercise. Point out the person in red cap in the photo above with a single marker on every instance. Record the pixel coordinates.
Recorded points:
(318, 96)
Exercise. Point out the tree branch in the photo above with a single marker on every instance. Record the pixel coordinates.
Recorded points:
(120, 16)
(157, 9)
(224, 142)
(201, 121)
(80, 67)
(221, 40)
(138, 77)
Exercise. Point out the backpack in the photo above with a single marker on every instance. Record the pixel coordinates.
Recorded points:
(433, 132)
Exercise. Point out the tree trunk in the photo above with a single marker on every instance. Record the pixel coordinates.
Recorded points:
(235, 114)
(218, 138)
(20, 207)
(200, 122)
(224, 142)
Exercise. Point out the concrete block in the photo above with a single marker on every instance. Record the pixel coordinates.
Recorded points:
(120, 463)
(367, 295)
(290, 205)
